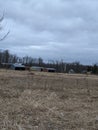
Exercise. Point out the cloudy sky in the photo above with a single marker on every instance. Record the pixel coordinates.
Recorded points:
(52, 29)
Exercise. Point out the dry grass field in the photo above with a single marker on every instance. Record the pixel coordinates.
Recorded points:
(48, 101)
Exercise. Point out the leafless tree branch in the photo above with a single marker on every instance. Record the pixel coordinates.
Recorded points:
(5, 36)
(1, 19)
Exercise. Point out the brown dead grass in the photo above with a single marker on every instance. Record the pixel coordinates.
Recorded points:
(48, 101)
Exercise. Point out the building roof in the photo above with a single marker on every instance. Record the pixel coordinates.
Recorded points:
(18, 65)
(50, 68)
(36, 67)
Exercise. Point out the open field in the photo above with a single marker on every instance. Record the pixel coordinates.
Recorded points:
(48, 101)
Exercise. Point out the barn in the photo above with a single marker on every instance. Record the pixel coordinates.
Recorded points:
(40, 69)
(17, 66)
(50, 69)
(36, 68)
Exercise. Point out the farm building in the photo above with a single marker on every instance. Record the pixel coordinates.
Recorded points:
(36, 68)
(50, 70)
(17, 66)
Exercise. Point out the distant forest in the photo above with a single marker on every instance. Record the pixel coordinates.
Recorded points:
(60, 66)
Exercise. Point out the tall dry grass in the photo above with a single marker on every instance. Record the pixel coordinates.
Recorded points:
(48, 101)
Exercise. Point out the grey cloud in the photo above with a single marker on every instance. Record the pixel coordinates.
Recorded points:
(66, 29)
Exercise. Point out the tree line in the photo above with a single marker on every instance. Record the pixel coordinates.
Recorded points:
(60, 66)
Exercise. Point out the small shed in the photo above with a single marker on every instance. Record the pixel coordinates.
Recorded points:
(17, 66)
(71, 71)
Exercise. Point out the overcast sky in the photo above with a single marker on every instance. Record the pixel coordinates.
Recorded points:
(52, 29)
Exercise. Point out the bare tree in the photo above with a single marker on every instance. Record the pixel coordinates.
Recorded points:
(5, 35)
